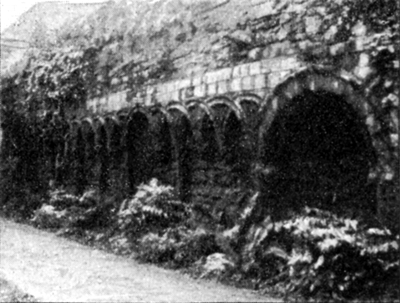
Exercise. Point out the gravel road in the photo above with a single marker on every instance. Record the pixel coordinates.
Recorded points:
(55, 269)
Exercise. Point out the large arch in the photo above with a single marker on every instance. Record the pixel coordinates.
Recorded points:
(315, 141)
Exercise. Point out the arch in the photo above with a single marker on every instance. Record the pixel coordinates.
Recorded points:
(102, 152)
(315, 138)
(250, 98)
(315, 79)
(183, 135)
(192, 104)
(89, 134)
(251, 105)
(135, 139)
(162, 110)
(114, 128)
(229, 120)
(162, 152)
(177, 107)
(78, 158)
(223, 100)
(207, 140)
(138, 108)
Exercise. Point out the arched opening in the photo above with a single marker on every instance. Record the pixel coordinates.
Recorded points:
(210, 147)
(250, 105)
(161, 150)
(206, 139)
(102, 155)
(90, 163)
(237, 150)
(182, 135)
(319, 150)
(184, 145)
(135, 140)
(116, 153)
(80, 176)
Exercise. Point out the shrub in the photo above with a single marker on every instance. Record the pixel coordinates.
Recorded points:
(48, 217)
(154, 207)
(82, 212)
(320, 255)
(178, 247)
(60, 199)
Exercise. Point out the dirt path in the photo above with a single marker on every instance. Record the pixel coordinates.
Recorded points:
(55, 269)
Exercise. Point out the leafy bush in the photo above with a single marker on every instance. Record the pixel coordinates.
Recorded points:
(154, 207)
(217, 265)
(67, 210)
(178, 247)
(320, 255)
(60, 199)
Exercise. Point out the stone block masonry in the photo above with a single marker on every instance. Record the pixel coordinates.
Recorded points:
(252, 78)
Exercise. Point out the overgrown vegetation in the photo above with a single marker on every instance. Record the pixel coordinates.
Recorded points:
(315, 255)
(318, 255)
(312, 255)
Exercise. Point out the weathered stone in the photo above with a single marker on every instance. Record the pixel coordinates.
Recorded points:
(260, 81)
(359, 29)
(247, 83)
(236, 85)
(271, 65)
(255, 53)
(183, 83)
(276, 78)
(337, 49)
(240, 70)
(175, 95)
(313, 25)
(218, 75)
(222, 87)
(200, 91)
(197, 80)
(255, 68)
(290, 63)
(189, 92)
(211, 89)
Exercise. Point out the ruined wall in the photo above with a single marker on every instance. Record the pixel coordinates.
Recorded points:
(219, 80)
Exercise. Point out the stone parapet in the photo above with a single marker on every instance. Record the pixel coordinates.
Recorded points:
(253, 77)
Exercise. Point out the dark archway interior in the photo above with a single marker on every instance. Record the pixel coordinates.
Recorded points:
(136, 147)
(320, 147)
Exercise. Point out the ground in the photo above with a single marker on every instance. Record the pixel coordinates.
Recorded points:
(54, 269)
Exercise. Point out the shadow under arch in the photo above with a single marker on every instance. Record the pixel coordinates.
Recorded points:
(315, 144)
(135, 140)
(77, 156)
(115, 130)
(89, 133)
(102, 151)
(207, 141)
(183, 143)
(230, 120)
(163, 152)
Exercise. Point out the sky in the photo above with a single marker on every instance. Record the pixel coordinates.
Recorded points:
(12, 9)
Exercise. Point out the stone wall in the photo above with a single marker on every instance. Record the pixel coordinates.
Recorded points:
(258, 77)
(221, 80)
